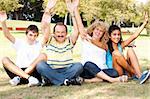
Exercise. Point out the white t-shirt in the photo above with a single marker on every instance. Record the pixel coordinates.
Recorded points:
(92, 53)
(26, 53)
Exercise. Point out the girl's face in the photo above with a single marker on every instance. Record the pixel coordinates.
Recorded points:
(115, 36)
(98, 32)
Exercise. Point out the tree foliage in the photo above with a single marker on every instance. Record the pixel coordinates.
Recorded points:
(60, 8)
(107, 10)
(9, 5)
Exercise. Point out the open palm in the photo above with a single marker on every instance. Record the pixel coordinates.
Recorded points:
(72, 5)
(75, 3)
(3, 16)
(51, 4)
(146, 16)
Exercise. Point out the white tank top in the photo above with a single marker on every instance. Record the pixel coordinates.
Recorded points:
(92, 53)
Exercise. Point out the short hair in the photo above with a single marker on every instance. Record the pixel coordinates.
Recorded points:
(60, 23)
(32, 28)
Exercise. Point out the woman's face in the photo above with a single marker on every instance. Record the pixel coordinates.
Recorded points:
(98, 32)
(115, 36)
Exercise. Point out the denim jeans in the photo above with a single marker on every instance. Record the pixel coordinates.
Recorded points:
(91, 69)
(58, 76)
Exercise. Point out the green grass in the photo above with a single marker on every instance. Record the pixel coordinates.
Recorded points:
(129, 90)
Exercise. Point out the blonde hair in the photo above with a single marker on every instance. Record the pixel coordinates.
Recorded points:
(104, 28)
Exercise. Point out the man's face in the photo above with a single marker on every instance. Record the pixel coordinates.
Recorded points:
(60, 33)
(31, 36)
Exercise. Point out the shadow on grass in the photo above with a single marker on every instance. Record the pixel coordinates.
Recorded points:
(128, 90)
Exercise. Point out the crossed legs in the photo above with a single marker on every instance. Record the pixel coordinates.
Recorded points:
(8, 64)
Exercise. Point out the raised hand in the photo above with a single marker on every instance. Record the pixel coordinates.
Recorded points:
(48, 11)
(146, 17)
(51, 4)
(3, 16)
(71, 6)
(76, 3)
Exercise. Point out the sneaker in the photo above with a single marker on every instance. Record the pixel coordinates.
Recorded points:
(45, 82)
(144, 77)
(33, 81)
(15, 81)
(66, 82)
(75, 81)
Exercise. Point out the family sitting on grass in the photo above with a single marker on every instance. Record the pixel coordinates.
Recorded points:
(50, 61)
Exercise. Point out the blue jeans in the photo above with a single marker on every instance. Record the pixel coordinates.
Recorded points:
(58, 76)
(91, 69)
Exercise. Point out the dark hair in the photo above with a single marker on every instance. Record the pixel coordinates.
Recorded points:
(32, 28)
(60, 23)
(110, 30)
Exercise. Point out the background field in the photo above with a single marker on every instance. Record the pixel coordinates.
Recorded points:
(130, 90)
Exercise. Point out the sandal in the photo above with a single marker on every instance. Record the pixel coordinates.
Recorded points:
(123, 78)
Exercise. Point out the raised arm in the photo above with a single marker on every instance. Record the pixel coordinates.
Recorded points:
(7, 34)
(137, 33)
(79, 23)
(46, 19)
(71, 8)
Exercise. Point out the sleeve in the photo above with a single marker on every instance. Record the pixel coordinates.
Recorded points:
(17, 44)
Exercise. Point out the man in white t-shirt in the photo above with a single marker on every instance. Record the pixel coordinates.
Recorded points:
(27, 50)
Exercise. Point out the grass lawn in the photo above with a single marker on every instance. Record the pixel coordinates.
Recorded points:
(129, 90)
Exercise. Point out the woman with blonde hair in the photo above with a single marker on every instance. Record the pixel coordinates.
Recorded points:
(94, 50)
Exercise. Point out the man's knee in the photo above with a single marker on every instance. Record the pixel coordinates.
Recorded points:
(43, 56)
(40, 65)
(79, 66)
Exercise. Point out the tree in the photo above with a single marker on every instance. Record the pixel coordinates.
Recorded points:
(107, 10)
(9, 5)
(60, 8)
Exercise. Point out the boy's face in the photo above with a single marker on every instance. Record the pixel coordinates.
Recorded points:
(31, 36)
(60, 33)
